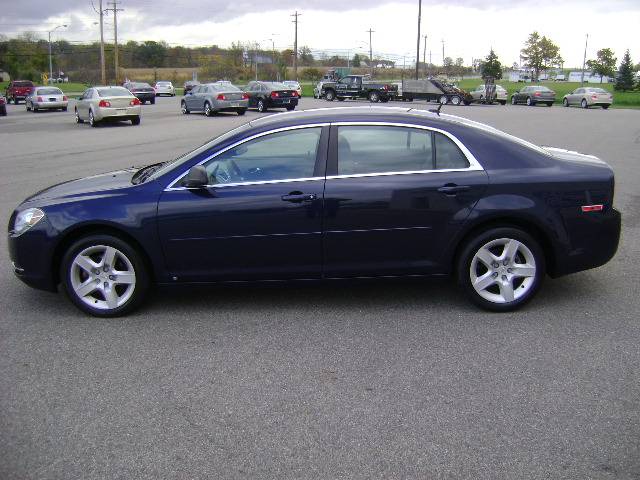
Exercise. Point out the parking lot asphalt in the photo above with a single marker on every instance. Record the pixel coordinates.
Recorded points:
(383, 380)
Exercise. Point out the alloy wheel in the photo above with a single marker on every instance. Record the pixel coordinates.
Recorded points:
(503, 270)
(102, 277)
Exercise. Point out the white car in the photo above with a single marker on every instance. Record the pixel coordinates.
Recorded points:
(293, 85)
(46, 98)
(165, 88)
(317, 91)
(479, 94)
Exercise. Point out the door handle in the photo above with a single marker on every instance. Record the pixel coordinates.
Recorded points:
(297, 197)
(452, 189)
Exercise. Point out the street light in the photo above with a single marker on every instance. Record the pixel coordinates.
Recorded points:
(50, 60)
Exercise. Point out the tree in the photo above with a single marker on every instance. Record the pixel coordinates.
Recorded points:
(540, 53)
(604, 64)
(306, 57)
(491, 66)
(356, 61)
(448, 65)
(625, 78)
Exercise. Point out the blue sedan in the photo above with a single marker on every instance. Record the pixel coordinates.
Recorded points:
(358, 192)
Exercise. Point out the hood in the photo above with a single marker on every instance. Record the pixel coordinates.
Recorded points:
(570, 155)
(88, 186)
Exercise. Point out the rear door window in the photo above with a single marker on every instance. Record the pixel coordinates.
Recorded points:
(448, 154)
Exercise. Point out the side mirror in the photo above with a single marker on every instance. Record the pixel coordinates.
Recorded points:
(197, 177)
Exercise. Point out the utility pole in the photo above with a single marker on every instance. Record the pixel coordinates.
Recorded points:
(115, 9)
(418, 42)
(50, 59)
(295, 46)
(103, 74)
(424, 55)
(584, 60)
(442, 52)
(370, 51)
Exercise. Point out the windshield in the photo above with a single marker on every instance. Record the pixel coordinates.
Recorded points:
(49, 91)
(114, 92)
(185, 157)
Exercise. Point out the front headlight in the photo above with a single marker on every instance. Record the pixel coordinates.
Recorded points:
(27, 219)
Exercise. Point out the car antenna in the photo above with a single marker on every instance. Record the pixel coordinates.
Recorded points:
(436, 110)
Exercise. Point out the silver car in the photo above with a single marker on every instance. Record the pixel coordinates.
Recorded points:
(212, 98)
(587, 97)
(479, 94)
(293, 85)
(46, 98)
(164, 88)
(101, 104)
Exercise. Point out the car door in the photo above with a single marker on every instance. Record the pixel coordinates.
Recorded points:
(83, 106)
(261, 217)
(189, 98)
(394, 198)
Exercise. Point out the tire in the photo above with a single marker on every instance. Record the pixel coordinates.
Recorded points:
(64, 109)
(341, 99)
(183, 108)
(100, 261)
(153, 101)
(291, 108)
(92, 121)
(208, 111)
(374, 97)
(241, 111)
(584, 104)
(78, 119)
(549, 104)
(384, 99)
(27, 107)
(456, 100)
(604, 107)
(135, 120)
(503, 102)
(3, 112)
(443, 99)
(330, 95)
(262, 107)
(513, 100)
(497, 287)
(565, 102)
(530, 103)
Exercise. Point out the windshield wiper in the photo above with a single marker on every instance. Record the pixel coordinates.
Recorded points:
(145, 172)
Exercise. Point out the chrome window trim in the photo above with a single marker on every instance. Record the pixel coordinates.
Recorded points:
(171, 186)
(474, 165)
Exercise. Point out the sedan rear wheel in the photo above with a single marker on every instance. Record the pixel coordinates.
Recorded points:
(501, 269)
(262, 107)
(78, 119)
(135, 120)
(207, 109)
(92, 120)
(530, 103)
(104, 276)
(565, 102)
(513, 100)
(183, 107)
(584, 104)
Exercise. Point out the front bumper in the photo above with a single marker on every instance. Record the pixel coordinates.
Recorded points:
(31, 256)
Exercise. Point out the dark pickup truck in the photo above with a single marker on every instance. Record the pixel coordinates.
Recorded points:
(18, 90)
(356, 86)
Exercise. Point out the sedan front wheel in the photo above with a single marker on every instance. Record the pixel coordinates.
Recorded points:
(501, 269)
(104, 276)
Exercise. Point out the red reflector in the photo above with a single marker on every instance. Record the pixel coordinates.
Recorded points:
(537, 94)
(221, 97)
(104, 103)
(592, 208)
(134, 102)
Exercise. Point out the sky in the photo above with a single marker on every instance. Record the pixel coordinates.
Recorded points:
(469, 28)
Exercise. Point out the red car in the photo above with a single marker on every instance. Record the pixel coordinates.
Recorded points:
(3, 107)
(18, 90)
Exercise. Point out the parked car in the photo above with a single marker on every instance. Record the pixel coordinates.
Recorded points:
(480, 94)
(164, 88)
(587, 97)
(212, 98)
(143, 91)
(325, 194)
(46, 98)
(293, 85)
(265, 95)
(18, 90)
(188, 86)
(531, 95)
(106, 104)
(359, 86)
(3, 106)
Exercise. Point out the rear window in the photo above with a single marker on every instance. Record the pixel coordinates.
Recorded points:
(140, 85)
(598, 90)
(23, 84)
(49, 91)
(114, 92)
(277, 86)
(541, 89)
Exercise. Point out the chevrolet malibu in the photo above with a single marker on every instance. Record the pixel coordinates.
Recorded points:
(46, 98)
(104, 104)
(328, 194)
